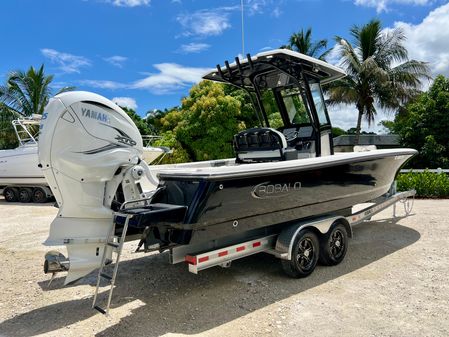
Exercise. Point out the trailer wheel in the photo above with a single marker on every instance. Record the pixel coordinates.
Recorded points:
(11, 194)
(25, 194)
(305, 254)
(39, 195)
(334, 245)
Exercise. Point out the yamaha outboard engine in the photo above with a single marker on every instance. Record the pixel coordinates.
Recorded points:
(88, 150)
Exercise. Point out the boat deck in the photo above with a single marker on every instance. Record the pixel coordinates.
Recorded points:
(227, 168)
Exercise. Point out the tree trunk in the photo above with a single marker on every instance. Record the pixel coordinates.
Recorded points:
(359, 126)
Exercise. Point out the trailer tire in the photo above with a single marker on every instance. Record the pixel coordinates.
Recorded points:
(305, 255)
(39, 195)
(25, 194)
(11, 194)
(334, 245)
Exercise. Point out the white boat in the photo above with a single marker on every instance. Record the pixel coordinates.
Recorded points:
(153, 154)
(21, 178)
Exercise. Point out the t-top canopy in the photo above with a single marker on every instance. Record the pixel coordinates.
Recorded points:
(242, 72)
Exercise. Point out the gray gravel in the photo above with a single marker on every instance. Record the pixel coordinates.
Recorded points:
(393, 282)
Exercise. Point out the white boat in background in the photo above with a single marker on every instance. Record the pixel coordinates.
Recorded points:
(152, 153)
(21, 179)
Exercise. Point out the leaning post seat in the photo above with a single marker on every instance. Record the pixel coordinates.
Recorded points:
(260, 145)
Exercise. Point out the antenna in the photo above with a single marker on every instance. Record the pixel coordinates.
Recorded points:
(243, 29)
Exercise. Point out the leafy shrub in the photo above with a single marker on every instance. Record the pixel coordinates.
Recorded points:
(426, 184)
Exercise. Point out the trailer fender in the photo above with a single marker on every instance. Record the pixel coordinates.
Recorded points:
(284, 243)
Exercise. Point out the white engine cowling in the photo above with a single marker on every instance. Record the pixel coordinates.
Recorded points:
(85, 140)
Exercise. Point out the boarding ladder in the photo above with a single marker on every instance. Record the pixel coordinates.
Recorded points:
(116, 243)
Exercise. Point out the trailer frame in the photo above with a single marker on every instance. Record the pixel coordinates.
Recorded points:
(281, 245)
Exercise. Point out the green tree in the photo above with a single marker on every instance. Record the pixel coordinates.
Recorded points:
(23, 94)
(302, 43)
(247, 113)
(8, 138)
(171, 120)
(424, 126)
(140, 123)
(27, 93)
(378, 72)
(209, 120)
(156, 120)
(336, 131)
(387, 127)
(179, 154)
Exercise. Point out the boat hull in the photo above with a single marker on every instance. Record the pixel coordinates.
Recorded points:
(221, 205)
(19, 167)
(150, 154)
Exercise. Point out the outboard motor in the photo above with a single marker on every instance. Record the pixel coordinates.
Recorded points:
(88, 149)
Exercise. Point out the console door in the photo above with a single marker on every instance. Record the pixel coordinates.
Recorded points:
(326, 143)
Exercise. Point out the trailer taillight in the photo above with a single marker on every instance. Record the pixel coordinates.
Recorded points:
(190, 259)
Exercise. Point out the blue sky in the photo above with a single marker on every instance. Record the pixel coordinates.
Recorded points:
(148, 53)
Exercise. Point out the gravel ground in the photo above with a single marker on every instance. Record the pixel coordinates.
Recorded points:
(393, 282)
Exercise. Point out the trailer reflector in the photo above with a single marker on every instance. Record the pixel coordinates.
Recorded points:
(203, 259)
(224, 255)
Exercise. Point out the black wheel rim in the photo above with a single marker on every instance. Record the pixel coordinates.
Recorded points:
(305, 256)
(39, 196)
(24, 196)
(9, 195)
(337, 244)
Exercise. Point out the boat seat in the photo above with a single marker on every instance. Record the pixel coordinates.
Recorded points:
(302, 139)
(260, 145)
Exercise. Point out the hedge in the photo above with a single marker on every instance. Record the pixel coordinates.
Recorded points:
(427, 184)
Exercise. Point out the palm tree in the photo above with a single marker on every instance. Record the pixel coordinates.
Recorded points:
(27, 93)
(378, 72)
(302, 42)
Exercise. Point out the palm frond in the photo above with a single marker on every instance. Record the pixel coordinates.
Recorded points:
(27, 93)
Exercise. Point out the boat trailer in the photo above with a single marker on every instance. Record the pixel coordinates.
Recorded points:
(294, 245)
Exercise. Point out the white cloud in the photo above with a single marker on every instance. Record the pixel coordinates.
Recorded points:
(171, 77)
(257, 6)
(58, 85)
(253, 7)
(194, 47)
(206, 22)
(68, 63)
(213, 22)
(344, 116)
(427, 41)
(333, 57)
(116, 61)
(126, 102)
(103, 84)
(130, 3)
(277, 12)
(382, 5)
